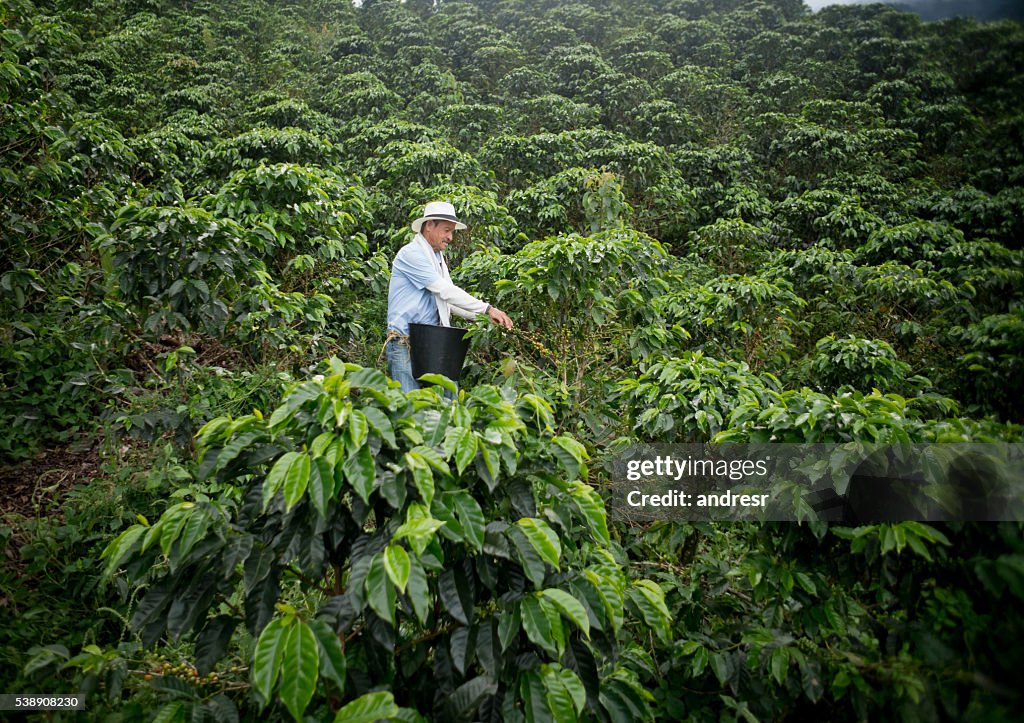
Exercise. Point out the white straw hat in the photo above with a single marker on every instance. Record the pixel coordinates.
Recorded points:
(438, 210)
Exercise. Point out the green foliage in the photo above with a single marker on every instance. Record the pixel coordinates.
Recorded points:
(269, 146)
(470, 125)
(360, 95)
(691, 398)
(292, 114)
(746, 316)
(56, 364)
(583, 305)
(785, 608)
(403, 163)
(708, 219)
(582, 199)
(177, 265)
(554, 113)
(301, 210)
(435, 539)
(908, 243)
(978, 214)
(731, 245)
(51, 578)
(994, 362)
(516, 160)
(859, 363)
(489, 223)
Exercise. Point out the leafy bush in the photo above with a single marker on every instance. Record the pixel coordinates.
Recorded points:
(292, 114)
(690, 398)
(432, 546)
(588, 296)
(858, 363)
(994, 362)
(180, 266)
(916, 241)
(201, 201)
(58, 356)
(360, 95)
(402, 163)
(269, 146)
(292, 209)
(748, 317)
(490, 224)
(572, 199)
(553, 113)
(731, 245)
(517, 160)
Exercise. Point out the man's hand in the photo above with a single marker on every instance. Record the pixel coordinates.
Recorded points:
(499, 317)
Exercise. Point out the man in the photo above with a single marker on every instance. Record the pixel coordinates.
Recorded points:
(422, 292)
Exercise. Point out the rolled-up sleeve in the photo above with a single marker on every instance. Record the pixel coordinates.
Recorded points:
(461, 302)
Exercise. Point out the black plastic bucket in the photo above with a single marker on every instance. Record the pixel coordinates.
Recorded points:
(437, 350)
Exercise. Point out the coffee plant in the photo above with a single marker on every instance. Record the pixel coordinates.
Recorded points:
(448, 551)
(711, 222)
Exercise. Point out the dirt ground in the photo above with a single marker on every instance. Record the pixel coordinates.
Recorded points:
(35, 487)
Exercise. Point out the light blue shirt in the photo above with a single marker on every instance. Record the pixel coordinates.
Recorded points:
(409, 300)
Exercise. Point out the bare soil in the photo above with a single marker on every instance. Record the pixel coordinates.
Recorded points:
(36, 487)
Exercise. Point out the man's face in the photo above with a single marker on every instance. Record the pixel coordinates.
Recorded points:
(438, 233)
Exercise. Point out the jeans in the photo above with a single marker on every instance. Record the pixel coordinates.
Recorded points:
(400, 365)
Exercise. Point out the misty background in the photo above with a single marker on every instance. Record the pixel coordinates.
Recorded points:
(939, 9)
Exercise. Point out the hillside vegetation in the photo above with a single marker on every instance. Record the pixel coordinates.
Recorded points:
(711, 220)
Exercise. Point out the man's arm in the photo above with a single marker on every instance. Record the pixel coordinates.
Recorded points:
(457, 297)
(465, 304)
